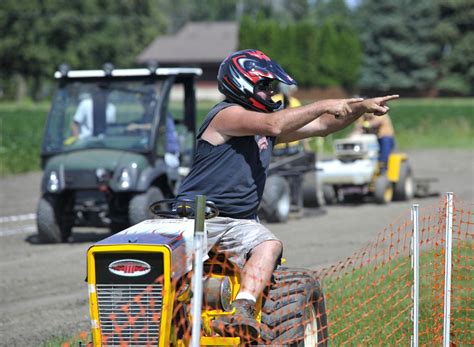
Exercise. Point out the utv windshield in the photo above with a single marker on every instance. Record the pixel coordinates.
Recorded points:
(112, 115)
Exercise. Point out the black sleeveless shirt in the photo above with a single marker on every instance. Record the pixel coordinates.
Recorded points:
(233, 174)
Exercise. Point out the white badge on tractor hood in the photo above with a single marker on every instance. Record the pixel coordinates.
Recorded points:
(129, 267)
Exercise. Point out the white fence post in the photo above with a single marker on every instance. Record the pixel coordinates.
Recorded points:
(447, 269)
(415, 263)
(199, 207)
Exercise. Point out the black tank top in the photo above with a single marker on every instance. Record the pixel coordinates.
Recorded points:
(233, 174)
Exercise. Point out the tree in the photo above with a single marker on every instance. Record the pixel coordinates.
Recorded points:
(38, 35)
(455, 32)
(322, 55)
(339, 54)
(398, 39)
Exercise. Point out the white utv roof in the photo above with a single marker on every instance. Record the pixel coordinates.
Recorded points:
(128, 72)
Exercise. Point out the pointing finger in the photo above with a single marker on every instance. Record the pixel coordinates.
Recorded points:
(353, 100)
(390, 97)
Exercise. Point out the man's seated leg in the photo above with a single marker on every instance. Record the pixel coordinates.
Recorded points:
(255, 275)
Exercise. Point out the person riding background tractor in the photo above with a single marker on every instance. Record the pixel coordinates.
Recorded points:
(381, 127)
(234, 147)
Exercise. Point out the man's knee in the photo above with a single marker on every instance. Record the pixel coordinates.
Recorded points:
(273, 248)
(276, 247)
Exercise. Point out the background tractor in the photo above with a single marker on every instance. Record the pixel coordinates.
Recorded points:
(354, 173)
(291, 184)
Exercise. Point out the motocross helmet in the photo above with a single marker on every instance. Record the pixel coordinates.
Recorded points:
(243, 72)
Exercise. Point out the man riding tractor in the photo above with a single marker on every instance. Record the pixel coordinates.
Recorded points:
(234, 147)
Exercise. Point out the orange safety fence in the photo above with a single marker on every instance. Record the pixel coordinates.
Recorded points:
(365, 300)
(369, 295)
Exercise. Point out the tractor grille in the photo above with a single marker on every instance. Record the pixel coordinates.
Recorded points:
(130, 314)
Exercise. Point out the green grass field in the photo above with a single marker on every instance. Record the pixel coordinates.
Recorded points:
(419, 123)
(371, 306)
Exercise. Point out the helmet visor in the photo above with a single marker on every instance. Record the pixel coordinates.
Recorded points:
(267, 85)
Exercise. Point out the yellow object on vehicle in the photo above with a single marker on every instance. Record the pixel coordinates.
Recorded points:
(395, 161)
(70, 140)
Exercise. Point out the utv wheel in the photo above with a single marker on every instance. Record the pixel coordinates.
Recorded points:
(138, 209)
(276, 201)
(50, 229)
(383, 190)
(293, 311)
(404, 189)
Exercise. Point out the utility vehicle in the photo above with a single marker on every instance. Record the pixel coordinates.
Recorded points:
(140, 289)
(108, 172)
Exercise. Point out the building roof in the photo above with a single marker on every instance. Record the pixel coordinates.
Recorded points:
(196, 42)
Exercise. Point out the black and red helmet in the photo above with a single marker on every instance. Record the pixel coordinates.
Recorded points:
(242, 71)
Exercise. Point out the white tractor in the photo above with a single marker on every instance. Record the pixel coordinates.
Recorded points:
(354, 173)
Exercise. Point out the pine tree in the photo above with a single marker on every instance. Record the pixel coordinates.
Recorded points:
(456, 34)
(400, 49)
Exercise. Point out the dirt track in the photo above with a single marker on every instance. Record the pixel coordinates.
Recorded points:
(42, 288)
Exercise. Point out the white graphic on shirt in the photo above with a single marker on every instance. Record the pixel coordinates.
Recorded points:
(261, 142)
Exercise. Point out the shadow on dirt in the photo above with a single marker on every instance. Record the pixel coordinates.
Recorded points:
(356, 201)
(81, 236)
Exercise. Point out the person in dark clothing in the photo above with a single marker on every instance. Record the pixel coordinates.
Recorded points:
(234, 147)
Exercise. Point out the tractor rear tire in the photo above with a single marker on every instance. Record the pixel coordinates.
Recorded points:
(276, 201)
(312, 191)
(404, 189)
(49, 227)
(293, 311)
(383, 192)
(138, 208)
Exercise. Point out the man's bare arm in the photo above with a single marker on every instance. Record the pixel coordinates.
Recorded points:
(328, 123)
(237, 121)
(75, 128)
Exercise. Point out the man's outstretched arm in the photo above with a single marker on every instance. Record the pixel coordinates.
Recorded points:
(329, 123)
(238, 121)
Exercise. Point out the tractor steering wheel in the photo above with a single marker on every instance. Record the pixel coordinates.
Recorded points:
(181, 208)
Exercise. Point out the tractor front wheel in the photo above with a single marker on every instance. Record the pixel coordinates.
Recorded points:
(383, 190)
(404, 189)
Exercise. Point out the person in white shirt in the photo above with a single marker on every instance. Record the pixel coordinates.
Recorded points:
(83, 122)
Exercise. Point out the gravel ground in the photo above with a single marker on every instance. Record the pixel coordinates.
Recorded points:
(42, 288)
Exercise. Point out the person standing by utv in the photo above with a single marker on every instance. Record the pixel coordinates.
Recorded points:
(234, 146)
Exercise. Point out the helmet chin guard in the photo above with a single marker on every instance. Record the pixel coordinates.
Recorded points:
(241, 72)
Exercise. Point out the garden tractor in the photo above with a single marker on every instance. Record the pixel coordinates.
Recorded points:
(141, 290)
(355, 173)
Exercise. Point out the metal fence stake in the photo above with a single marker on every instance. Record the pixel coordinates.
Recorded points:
(447, 269)
(416, 272)
(199, 206)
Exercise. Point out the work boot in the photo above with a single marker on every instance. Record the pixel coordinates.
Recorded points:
(242, 324)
